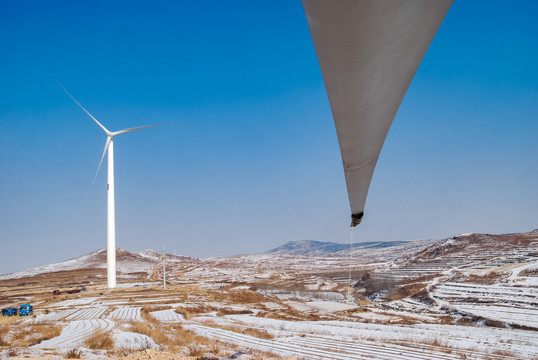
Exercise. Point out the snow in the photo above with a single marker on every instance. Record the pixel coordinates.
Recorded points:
(303, 295)
(87, 313)
(75, 333)
(125, 313)
(243, 287)
(70, 264)
(506, 303)
(329, 306)
(299, 306)
(94, 260)
(150, 254)
(133, 341)
(464, 234)
(527, 281)
(321, 347)
(529, 266)
(56, 316)
(167, 316)
(465, 338)
(74, 302)
(375, 316)
(377, 333)
(273, 305)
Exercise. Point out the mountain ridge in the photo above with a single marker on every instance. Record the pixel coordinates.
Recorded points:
(304, 247)
(415, 250)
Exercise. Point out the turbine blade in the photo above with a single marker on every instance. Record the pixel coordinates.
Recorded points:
(108, 140)
(86, 111)
(124, 131)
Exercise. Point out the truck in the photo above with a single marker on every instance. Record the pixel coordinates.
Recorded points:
(25, 310)
(10, 311)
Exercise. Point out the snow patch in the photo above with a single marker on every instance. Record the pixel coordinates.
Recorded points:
(133, 341)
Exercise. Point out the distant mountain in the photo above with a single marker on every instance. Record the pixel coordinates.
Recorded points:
(304, 247)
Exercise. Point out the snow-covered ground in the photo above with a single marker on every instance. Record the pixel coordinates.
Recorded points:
(471, 298)
(412, 340)
(167, 316)
(515, 305)
(75, 333)
(132, 341)
(126, 314)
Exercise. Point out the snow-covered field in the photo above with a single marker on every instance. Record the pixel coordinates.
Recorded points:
(514, 305)
(439, 302)
(167, 316)
(126, 314)
(75, 333)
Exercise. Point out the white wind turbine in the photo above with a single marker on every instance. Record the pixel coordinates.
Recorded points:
(111, 218)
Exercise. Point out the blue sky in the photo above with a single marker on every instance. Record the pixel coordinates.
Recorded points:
(255, 162)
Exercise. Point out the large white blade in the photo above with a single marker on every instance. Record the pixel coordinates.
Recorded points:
(108, 140)
(86, 111)
(368, 52)
(124, 131)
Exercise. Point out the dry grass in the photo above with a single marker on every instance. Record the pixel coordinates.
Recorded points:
(196, 350)
(73, 354)
(145, 313)
(488, 279)
(503, 353)
(151, 330)
(227, 311)
(423, 296)
(405, 291)
(278, 284)
(6, 320)
(423, 278)
(3, 333)
(289, 314)
(100, 340)
(183, 311)
(527, 272)
(237, 297)
(445, 320)
(436, 342)
(35, 334)
(190, 312)
(260, 334)
(61, 279)
(182, 337)
(12, 353)
(152, 308)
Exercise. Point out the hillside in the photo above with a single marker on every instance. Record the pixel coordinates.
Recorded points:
(319, 304)
(91, 268)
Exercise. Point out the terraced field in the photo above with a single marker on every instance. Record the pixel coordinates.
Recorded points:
(126, 314)
(75, 333)
(167, 316)
(442, 302)
(514, 305)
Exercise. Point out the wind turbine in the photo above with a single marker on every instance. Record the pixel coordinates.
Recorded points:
(111, 212)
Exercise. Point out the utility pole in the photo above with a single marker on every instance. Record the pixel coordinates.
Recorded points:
(164, 270)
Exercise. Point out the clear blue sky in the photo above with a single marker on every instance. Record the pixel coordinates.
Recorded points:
(256, 162)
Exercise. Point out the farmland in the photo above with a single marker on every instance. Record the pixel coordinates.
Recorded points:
(471, 296)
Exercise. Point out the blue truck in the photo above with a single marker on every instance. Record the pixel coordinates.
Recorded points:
(10, 311)
(25, 310)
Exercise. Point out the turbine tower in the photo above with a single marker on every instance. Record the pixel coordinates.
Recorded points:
(111, 212)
